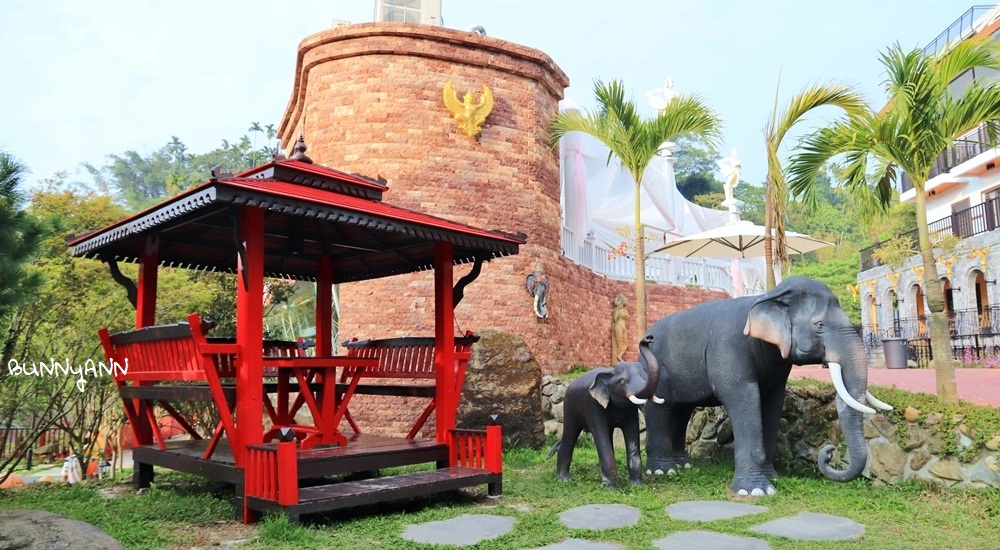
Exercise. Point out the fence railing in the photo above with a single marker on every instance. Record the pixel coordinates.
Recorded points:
(980, 218)
(661, 269)
(53, 442)
(975, 335)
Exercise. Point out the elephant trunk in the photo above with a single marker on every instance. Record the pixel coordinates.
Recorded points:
(851, 381)
(652, 370)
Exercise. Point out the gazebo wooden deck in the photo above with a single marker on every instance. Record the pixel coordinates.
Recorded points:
(295, 220)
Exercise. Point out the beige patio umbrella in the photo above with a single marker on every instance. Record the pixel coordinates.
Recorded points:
(739, 239)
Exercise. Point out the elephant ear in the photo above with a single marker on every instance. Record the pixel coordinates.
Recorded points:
(599, 389)
(769, 320)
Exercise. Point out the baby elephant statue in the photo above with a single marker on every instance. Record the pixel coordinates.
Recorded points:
(602, 400)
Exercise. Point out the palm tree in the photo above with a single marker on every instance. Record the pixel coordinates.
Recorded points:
(635, 141)
(778, 126)
(922, 118)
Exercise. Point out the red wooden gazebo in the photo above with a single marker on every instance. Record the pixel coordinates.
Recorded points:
(296, 220)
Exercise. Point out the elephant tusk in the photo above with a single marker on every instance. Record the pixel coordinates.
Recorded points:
(878, 404)
(838, 382)
(636, 400)
(659, 400)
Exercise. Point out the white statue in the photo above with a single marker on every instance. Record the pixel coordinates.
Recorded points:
(659, 98)
(730, 168)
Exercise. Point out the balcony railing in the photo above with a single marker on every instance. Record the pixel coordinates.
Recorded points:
(966, 148)
(978, 219)
(964, 26)
(975, 335)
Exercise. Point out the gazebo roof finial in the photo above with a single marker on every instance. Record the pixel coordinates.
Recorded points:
(299, 151)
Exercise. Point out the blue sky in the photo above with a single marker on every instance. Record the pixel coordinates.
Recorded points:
(84, 79)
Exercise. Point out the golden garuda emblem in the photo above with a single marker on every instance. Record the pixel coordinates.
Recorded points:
(469, 114)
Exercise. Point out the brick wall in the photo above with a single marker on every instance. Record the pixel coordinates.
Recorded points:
(368, 99)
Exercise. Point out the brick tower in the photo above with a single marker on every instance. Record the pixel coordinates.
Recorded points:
(368, 99)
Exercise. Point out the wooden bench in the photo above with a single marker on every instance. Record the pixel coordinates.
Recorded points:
(408, 359)
(171, 363)
(167, 364)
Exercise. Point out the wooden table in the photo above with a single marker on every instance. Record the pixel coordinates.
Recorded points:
(323, 403)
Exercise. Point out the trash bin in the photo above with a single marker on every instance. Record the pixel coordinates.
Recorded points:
(896, 350)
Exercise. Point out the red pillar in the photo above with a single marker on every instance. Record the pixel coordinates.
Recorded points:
(444, 342)
(145, 316)
(250, 330)
(324, 306)
(145, 304)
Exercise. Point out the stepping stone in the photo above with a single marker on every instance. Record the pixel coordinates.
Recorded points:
(707, 540)
(600, 516)
(465, 530)
(712, 510)
(811, 526)
(579, 544)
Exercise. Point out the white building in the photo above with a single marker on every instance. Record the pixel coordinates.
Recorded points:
(963, 199)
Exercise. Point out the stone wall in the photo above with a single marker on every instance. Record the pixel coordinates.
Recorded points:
(911, 448)
(368, 99)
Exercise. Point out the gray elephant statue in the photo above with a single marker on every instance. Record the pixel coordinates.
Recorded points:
(739, 353)
(600, 401)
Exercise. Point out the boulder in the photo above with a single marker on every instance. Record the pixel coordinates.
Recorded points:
(503, 378)
(39, 529)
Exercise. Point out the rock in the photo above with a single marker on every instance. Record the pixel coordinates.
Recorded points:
(982, 473)
(993, 464)
(724, 435)
(553, 427)
(915, 437)
(957, 418)
(547, 384)
(557, 412)
(887, 461)
(696, 424)
(558, 391)
(38, 529)
(884, 425)
(919, 459)
(933, 419)
(948, 468)
(994, 443)
(935, 444)
(911, 414)
(503, 378)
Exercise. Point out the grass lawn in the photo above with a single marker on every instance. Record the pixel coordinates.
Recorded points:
(182, 511)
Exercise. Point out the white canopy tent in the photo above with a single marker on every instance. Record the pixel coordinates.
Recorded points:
(598, 195)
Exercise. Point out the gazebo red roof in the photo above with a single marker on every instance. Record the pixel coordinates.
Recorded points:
(311, 210)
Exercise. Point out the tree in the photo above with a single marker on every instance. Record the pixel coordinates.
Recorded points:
(776, 192)
(138, 181)
(635, 140)
(921, 119)
(694, 171)
(20, 235)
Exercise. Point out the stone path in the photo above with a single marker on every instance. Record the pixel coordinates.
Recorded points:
(470, 529)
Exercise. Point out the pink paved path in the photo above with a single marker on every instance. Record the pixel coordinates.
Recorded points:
(974, 385)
